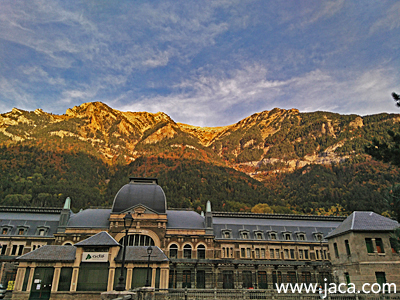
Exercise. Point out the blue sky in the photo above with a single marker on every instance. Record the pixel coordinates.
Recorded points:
(207, 63)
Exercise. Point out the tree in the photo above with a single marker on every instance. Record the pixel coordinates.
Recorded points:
(392, 197)
(396, 97)
(387, 152)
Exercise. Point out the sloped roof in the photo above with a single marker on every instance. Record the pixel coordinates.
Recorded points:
(50, 253)
(364, 221)
(180, 219)
(99, 239)
(90, 218)
(139, 254)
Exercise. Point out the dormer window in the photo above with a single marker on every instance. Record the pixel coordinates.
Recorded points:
(301, 236)
(245, 235)
(226, 234)
(259, 235)
(42, 230)
(318, 237)
(287, 236)
(4, 231)
(273, 235)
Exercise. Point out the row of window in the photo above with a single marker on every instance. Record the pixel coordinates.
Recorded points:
(187, 251)
(17, 249)
(369, 247)
(22, 230)
(259, 235)
(247, 278)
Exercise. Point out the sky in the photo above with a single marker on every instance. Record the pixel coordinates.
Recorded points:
(204, 63)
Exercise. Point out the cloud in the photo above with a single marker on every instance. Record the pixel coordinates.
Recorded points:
(390, 20)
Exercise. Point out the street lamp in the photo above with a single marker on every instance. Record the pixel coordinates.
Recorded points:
(127, 224)
(149, 251)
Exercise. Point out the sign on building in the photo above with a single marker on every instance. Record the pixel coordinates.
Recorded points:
(94, 256)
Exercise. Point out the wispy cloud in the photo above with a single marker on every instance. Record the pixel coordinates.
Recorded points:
(388, 21)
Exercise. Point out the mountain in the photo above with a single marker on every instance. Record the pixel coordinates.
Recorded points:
(271, 152)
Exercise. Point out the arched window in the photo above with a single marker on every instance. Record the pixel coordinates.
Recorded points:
(201, 252)
(138, 240)
(187, 251)
(173, 251)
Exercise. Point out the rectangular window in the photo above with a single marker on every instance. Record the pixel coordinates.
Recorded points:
(317, 254)
(3, 249)
(276, 278)
(393, 245)
(380, 278)
(346, 243)
(14, 250)
(201, 279)
(291, 253)
(370, 246)
(257, 253)
(379, 245)
(186, 279)
(271, 253)
(223, 252)
(305, 254)
(286, 254)
(245, 235)
(65, 279)
(21, 231)
(300, 254)
(242, 252)
(306, 277)
(347, 278)
(291, 277)
(248, 253)
(172, 279)
(336, 250)
(20, 249)
(262, 253)
(247, 279)
(262, 280)
(277, 254)
(4, 231)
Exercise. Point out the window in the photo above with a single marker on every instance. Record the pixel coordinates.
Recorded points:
(291, 277)
(306, 277)
(262, 253)
(245, 235)
(186, 279)
(138, 240)
(3, 249)
(94, 276)
(21, 231)
(276, 278)
(227, 234)
(318, 237)
(347, 276)
(42, 232)
(187, 251)
(286, 254)
(272, 236)
(262, 280)
(335, 248)
(227, 280)
(201, 252)
(242, 252)
(259, 236)
(305, 254)
(257, 253)
(248, 253)
(291, 253)
(271, 253)
(277, 254)
(173, 251)
(370, 246)
(317, 254)
(287, 236)
(14, 250)
(223, 252)
(379, 245)
(65, 279)
(393, 245)
(380, 278)
(4, 231)
(247, 279)
(201, 279)
(301, 254)
(20, 249)
(172, 279)
(301, 236)
(346, 243)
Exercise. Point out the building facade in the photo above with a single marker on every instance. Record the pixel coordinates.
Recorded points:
(212, 250)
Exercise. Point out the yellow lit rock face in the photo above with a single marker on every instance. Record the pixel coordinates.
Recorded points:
(269, 138)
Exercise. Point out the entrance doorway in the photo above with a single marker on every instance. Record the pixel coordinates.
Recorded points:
(41, 284)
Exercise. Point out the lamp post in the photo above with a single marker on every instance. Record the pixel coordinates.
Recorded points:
(149, 251)
(127, 224)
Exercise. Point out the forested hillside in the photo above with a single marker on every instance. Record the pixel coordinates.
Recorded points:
(279, 161)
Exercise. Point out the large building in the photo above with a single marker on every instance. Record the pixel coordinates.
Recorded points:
(213, 250)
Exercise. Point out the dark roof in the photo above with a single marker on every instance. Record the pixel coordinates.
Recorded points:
(139, 254)
(364, 221)
(140, 191)
(90, 218)
(15, 218)
(50, 253)
(99, 239)
(181, 219)
(265, 223)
